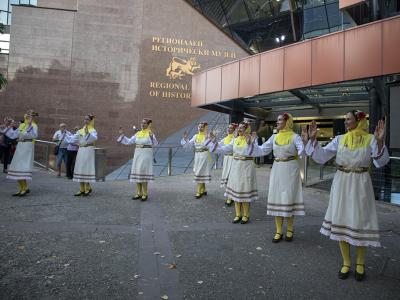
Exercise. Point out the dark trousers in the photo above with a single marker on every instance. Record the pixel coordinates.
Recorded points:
(5, 156)
(71, 157)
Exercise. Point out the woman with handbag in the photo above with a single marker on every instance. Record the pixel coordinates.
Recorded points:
(142, 163)
(84, 171)
(22, 163)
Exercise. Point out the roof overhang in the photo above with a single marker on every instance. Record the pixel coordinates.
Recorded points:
(329, 71)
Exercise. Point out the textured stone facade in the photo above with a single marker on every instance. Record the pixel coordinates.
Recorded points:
(120, 60)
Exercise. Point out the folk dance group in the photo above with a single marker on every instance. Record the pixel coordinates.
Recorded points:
(350, 219)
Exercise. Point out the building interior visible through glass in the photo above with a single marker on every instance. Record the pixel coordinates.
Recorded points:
(257, 25)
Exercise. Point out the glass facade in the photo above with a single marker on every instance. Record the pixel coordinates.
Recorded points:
(260, 25)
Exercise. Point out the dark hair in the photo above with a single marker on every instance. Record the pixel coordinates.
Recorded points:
(32, 113)
(245, 124)
(353, 112)
(148, 121)
(91, 117)
(357, 114)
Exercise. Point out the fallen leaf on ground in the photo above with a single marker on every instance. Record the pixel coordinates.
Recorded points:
(20, 247)
(136, 276)
(164, 297)
(102, 242)
(162, 256)
(156, 253)
(171, 266)
(179, 256)
(259, 248)
(200, 282)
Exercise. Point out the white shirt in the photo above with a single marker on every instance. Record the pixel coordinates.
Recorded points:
(59, 135)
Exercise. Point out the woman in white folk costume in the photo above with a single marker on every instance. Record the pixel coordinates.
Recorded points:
(142, 164)
(202, 159)
(242, 181)
(285, 194)
(22, 163)
(228, 158)
(351, 216)
(84, 170)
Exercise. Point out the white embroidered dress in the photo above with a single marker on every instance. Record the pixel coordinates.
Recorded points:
(351, 215)
(85, 169)
(202, 161)
(142, 163)
(226, 166)
(242, 181)
(285, 194)
(22, 163)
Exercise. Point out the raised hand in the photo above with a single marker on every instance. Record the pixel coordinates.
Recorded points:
(312, 130)
(212, 137)
(380, 131)
(304, 135)
(185, 136)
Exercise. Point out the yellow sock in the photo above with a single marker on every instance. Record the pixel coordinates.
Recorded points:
(26, 185)
(81, 187)
(345, 250)
(289, 228)
(237, 209)
(199, 186)
(360, 251)
(139, 188)
(246, 209)
(278, 223)
(23, 185)
(144, 188)
(87, 187)
(20, 185)
(203, 188)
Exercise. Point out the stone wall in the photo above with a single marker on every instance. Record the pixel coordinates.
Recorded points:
(120, 60)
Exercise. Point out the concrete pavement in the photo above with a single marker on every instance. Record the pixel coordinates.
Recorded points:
(57, 246)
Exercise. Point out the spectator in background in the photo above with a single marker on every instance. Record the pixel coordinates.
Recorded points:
(6, 142)
(59, 137)
(262, 133)
(72, 150)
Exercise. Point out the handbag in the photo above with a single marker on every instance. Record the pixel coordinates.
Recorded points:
(57, 148)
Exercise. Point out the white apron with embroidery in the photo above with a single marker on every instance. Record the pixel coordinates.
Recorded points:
(142, 163)
(285, 195)
(242, 180)
(351, 214)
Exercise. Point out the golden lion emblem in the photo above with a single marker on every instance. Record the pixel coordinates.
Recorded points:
(179, 67)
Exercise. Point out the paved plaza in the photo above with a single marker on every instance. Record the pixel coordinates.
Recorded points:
(107, 246)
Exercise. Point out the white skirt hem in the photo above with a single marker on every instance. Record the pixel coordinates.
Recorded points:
(349, 240)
